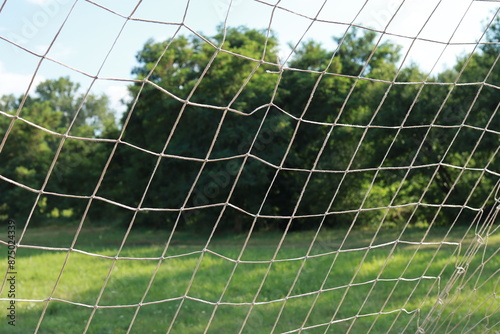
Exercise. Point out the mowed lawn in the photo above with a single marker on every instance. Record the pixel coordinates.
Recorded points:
(362, 290)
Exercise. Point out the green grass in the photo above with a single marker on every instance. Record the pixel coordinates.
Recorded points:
(83, 278)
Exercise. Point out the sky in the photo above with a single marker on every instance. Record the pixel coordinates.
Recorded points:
(93, 39)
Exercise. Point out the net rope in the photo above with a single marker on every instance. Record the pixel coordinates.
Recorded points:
(445, 296)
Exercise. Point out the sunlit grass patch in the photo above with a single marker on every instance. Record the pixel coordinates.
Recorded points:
(388, 289)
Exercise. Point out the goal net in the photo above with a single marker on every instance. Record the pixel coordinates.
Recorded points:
(247, 166)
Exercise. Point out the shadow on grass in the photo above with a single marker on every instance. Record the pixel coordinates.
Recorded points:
(353, 302)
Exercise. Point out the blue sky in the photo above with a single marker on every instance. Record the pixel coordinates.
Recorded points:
(89, 32)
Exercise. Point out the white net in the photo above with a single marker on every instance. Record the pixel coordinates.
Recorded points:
(345, 183)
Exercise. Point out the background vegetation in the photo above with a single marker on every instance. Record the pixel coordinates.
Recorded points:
(393, 144)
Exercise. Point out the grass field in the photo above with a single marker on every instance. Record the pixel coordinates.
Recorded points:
(37, 270)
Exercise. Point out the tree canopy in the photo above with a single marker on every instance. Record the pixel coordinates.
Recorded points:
(29, 151)
(219, 121)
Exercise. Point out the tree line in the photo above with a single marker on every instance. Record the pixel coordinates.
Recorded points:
(333, 132)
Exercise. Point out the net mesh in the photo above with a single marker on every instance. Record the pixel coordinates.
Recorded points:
(442, 294)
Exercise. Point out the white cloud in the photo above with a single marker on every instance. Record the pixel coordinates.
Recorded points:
(59, 51)
(40, 2)
(117, 94)
(44, 2)
(16, 83)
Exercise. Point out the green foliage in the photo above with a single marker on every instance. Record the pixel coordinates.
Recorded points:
(334, 132)
(29, 151)
(211, 80)
(190, 86)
